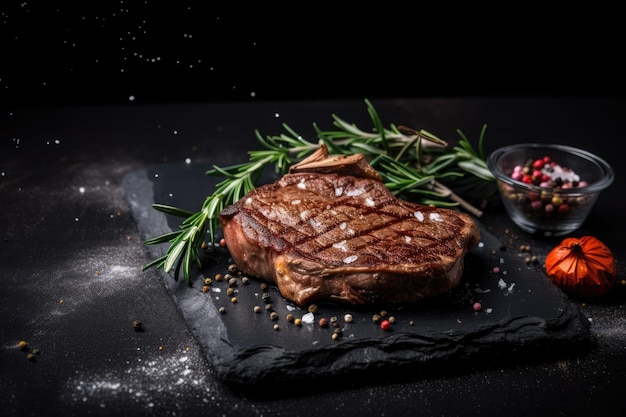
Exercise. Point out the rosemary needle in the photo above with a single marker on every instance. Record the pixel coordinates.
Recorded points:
(411, 162)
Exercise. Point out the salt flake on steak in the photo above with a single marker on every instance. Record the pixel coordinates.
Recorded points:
(436, 217)
(341, 246)
(350, 259)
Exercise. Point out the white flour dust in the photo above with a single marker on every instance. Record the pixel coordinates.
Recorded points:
(611, 329)
(89, 277)
(91, 181)
(148, 384)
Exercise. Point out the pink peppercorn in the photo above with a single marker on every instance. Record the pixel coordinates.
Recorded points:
(385, 325)
(477, 306)
(496, 269)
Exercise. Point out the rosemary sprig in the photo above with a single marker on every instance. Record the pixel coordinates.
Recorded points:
(410, 162)
(188, 240)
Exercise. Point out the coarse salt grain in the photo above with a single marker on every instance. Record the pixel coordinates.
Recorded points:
(436, 217)
(341, 245)
(355, 193)
(308, 318)
(315, 223)
(350, 259)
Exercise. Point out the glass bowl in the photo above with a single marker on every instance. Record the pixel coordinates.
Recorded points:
(548, 189)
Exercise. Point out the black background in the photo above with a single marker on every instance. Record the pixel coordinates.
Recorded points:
(149, 51)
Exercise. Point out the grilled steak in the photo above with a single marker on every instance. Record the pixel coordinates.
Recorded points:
(327, 236)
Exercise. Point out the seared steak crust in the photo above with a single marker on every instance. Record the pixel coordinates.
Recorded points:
(338, 237)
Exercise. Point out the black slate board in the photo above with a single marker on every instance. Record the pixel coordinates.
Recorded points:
(523, 312)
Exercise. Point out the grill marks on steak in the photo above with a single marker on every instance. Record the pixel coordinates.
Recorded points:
(342, 221)
(339, 237)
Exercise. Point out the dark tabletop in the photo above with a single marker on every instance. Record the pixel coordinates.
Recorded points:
(72, 256)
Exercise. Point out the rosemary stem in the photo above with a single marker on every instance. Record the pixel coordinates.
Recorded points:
(455, 197)
(297, 149)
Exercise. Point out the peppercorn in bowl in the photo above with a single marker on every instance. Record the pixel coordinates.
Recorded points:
(548, 189)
